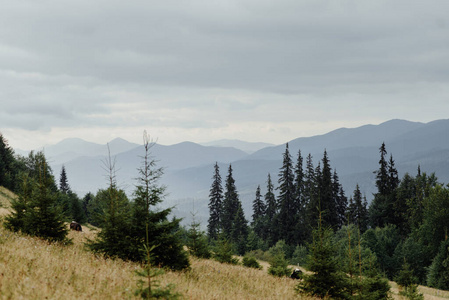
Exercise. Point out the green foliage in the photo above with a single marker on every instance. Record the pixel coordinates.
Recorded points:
(373, 288)
(8, 172)
(114, 238)
(286, 219)
(407, 281)
(251, 262)
(36, 211)
(150, 287)
(197, 241)
(260, 254)
(215, 205)
(279, 265)
(223, 252)
(438, 276)
(383, 242)
(417, 256)
(326, 280)
(299, 256)
(352, 257)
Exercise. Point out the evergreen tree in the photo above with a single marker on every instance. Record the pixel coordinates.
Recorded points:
(357, 210)
(215, 205)
(36, 212)
(341, 202)
(287, 216)
(86, 203)
(63, 182)
(438, 276)
(239, 233)
(164, 237)
(326, 280)
(300, 201)
(113, 217)
(258, 222)
(310, 197)
(327, 201)
(7, 165)
(382, 207)
(230, 205)
(197, 241)
(271, 211)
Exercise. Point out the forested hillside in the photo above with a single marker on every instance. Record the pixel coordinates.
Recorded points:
(300, 216)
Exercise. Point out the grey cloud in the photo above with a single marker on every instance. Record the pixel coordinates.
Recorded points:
(282, 46)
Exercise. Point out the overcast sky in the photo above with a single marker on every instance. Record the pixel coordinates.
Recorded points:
(267, 71)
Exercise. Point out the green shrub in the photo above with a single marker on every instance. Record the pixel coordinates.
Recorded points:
(224, 251)
(279, 266)
(251, 262)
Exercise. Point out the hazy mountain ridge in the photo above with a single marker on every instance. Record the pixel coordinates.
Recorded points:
(353, 152)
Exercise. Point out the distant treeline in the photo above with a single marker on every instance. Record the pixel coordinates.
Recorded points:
(406, 223)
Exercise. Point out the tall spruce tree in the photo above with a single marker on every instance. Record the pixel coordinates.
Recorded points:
(300, 201)
(63, 181)
(310, 197)
(215, 205)
(357, 210)
(341, 201)
(258, 217)
(287, 216)
(230, 204)
(239, 233)
(271, 211)
(382, 210)
(327, 201)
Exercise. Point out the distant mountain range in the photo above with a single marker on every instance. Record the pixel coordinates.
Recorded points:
(353, 153)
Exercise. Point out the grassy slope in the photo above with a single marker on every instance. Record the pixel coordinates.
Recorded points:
(33, 269)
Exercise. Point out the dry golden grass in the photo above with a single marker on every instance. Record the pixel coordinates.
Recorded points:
(31, 268)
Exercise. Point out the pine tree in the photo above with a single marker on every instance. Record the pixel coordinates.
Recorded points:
(7, 165)
(258, 217)
(341, 202)
(239, 233)
(36, 212)
(381, 210)
(357, 209)
(230, 205)
(310, 197)
(287, 216)
(197, 240)
(114, 218)
(326, 280)
(270, 200)
(86, 202)
(327, 201)
(164, 238)
(215, 205)
(438, 276)
(63, 182)
(300, 201)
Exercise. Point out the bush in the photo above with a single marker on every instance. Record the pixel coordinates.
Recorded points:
(224, 251)
(260, 255)
(279, 266)
(251, 262)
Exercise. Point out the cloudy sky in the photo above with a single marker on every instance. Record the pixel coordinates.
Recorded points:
(255, 70)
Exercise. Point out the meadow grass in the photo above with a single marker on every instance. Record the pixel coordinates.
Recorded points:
(31, 268)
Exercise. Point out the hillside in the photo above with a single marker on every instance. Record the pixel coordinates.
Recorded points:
(33, 269)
